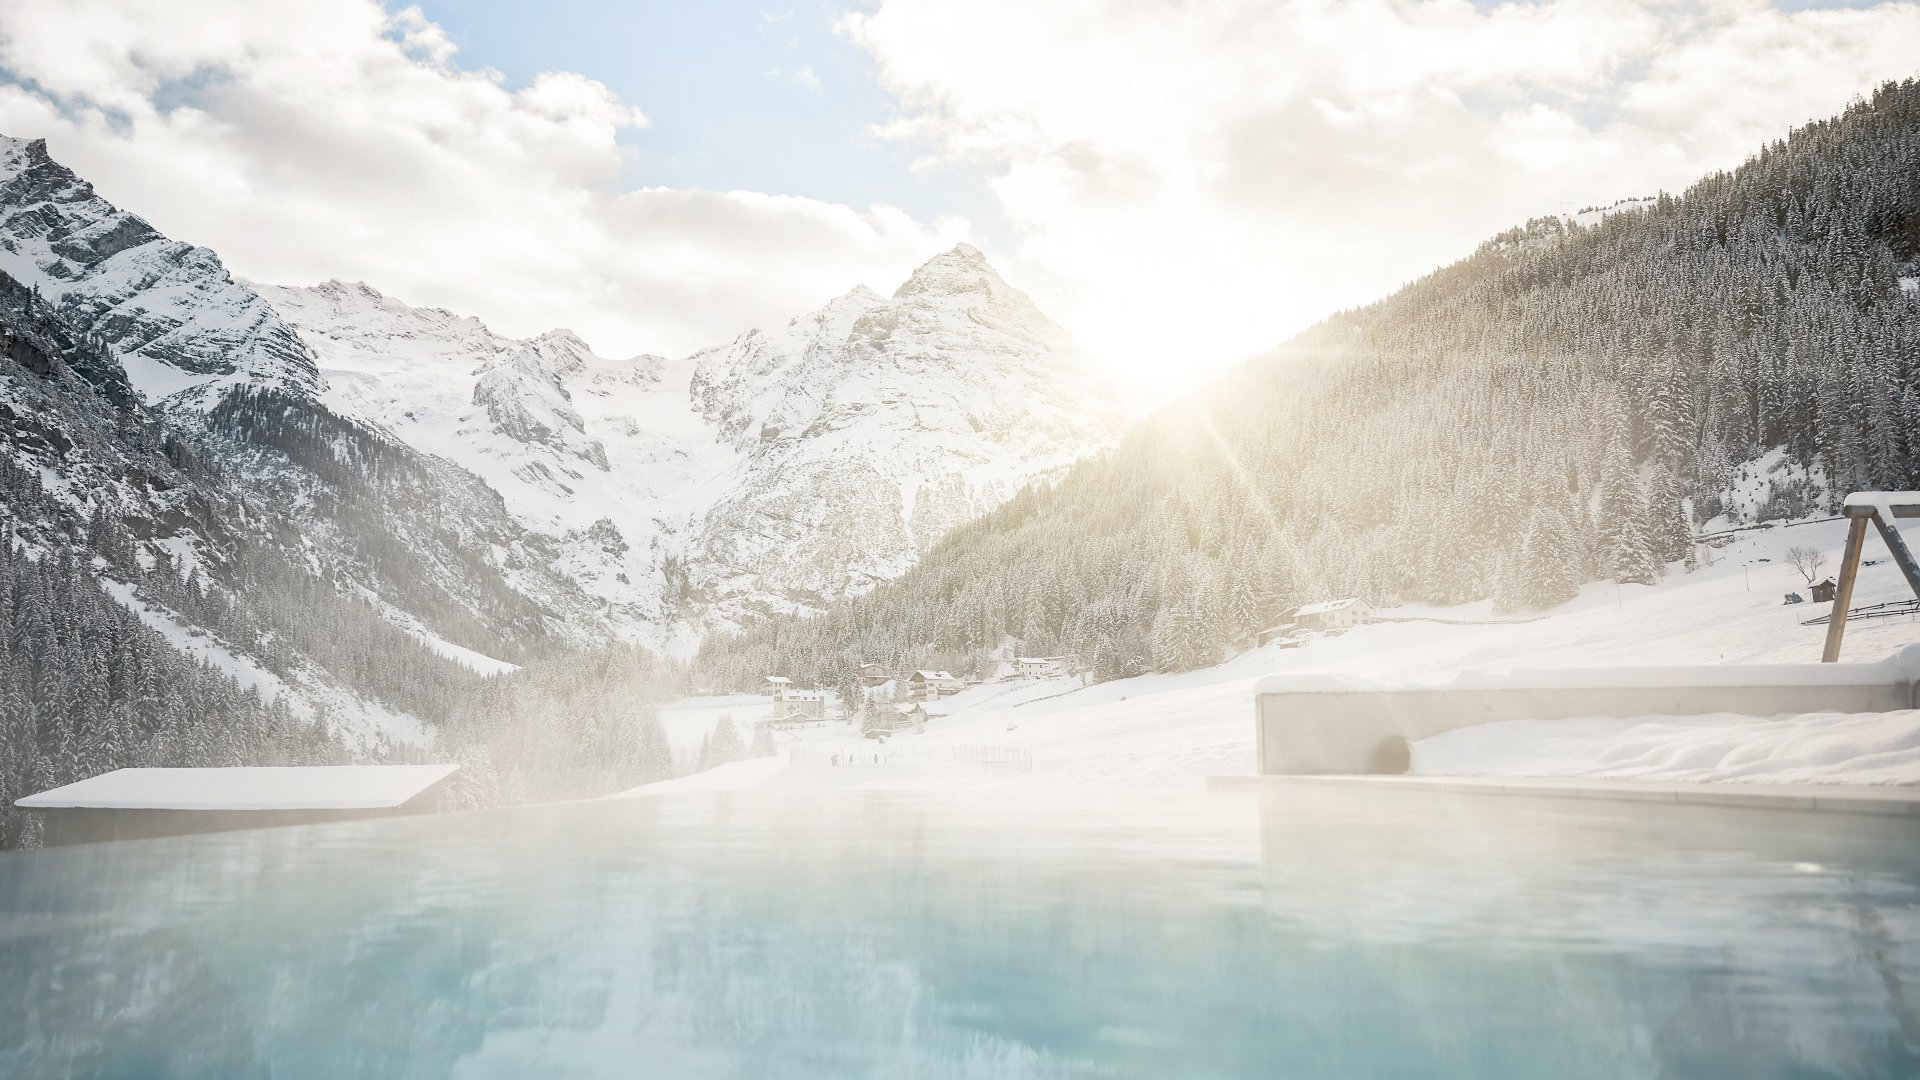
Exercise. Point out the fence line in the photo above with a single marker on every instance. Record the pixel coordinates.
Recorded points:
(1871, 611)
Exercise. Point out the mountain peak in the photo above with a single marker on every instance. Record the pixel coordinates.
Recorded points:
(961, 271)
(16, 152)
(108, 272)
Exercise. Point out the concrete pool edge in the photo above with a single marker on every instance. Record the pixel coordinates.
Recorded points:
(1831, 798)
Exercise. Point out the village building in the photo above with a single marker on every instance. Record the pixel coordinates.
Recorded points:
(1822, 592)
(809, 702)
(133, 804)
(1334, 615)
(1039, 667)
(904, 718)
(874, 674)
(932, 685)
(788, 698)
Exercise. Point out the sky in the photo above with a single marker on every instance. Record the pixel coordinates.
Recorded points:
(1181, 183)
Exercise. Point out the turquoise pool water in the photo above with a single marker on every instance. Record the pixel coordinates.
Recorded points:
(767, 937)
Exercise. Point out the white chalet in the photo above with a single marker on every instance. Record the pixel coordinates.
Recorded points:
(930, 685)
(1039, 667)
(1334, 614)
(811, 702)
(788, 698)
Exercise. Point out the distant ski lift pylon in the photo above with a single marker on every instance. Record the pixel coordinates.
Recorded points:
(1884, 509)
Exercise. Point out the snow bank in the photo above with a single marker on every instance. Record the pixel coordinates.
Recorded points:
(475, 661)
(733, 776)
(1816, 748)
(1902, 666)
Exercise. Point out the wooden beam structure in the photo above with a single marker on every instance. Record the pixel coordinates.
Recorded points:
(1884, 509)
(1843, 592)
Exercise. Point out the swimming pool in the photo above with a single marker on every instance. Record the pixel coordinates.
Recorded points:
(1315, 935)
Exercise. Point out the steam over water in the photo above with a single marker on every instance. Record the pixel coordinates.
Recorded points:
(806, 936)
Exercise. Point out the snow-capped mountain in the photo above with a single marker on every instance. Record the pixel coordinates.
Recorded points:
(185, 331)
(779, 472)
(872, 426)
(237, 389)
(489, 493)
(598, 456)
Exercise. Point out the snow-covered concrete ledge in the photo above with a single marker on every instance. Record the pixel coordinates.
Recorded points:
(142, 803)
(1335, 724)
(1831, 798)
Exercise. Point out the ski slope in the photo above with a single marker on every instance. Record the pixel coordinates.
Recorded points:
(1172, 731)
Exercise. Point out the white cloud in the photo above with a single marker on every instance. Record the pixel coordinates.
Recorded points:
(1189, 182)
(305, 139)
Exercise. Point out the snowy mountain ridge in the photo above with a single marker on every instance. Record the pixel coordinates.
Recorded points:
(184, 329)
(596, 454)
(781, 471)
(236, 389)
(488, 491)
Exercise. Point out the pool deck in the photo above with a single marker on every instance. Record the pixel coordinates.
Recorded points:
(1834, 798)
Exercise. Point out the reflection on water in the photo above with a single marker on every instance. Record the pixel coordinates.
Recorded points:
(757, 936)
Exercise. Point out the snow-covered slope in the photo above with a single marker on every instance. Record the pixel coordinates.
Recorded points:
(1172, 731)
(782, 471)
(872, 426)
(184, 329)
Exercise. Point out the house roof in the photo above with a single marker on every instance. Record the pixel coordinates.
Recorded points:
(935, 676)
(777, 680)
(1038, 659)
(1325, 606)
(300, 787)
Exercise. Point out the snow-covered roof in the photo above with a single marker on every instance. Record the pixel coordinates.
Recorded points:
(1324, 606)
(936, 676)
(302, 787)
(1038, 659)
(778, 680)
